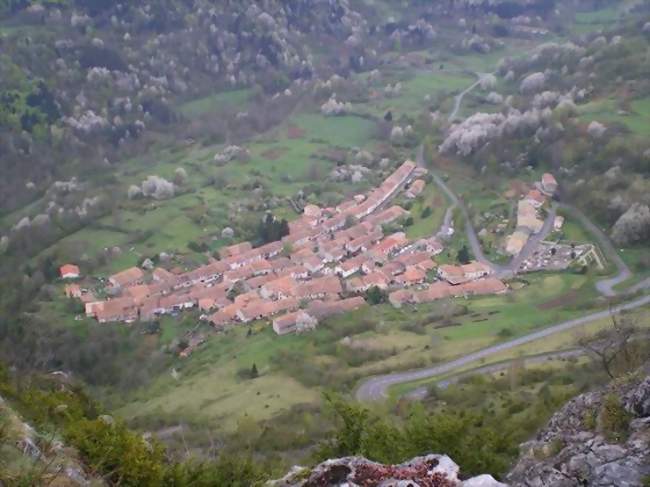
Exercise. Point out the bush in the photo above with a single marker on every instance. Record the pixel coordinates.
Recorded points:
(614, 419)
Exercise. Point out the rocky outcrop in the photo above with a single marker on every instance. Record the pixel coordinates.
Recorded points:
(599, 438)
(427, 471)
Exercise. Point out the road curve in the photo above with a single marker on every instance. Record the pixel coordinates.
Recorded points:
(375, 388)
(421, 392)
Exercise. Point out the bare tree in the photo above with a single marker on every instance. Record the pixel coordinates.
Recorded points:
(610, 343)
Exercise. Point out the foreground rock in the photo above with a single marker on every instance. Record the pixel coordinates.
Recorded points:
(599, 438)
(428, 471)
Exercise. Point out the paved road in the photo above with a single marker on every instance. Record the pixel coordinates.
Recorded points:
(422, 392)
(604, 286)
(375, 388)
(472, 238)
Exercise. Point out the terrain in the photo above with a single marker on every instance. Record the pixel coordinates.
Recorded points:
(168, 131)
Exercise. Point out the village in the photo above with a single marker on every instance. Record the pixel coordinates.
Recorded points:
(326, 265)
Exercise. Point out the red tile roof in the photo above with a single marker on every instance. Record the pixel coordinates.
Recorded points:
(69, 270)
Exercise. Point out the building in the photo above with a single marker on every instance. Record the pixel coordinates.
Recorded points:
(411, 277)
(549, 184)
(295, 322)
(235, 250)
(535, 198)
(476, 270)
(69, 271)
(281, 288)
(415, 188)
(324, 309)
(400, 297)
(516, 242)
(127, 277)
(452, 273)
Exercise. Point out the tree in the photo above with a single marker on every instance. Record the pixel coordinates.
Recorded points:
(463, 255)
(254, 373)
(610, 344)
(375, 295)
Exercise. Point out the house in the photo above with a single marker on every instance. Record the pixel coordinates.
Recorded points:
(281, 263)
(489, 285)
(324, 309)
(312, 211)
(411, 277)
(235, 250)
(270, 250)
(162, 275)
(72, 291)
(549, 184)
(558, 223)
(387, 216)
(69, 271)
(363, 283)
(127, 277)
(400, 297)
(92, 307)
(476, 270)
(437, 290)
(452, 273)
(295, 322)
(392, 269)
(349, 267)
(430, 245)
(119, 309)
(138, 293)
(421, 260)
(313, 264)
(527, 217)
(297, 272)
(415, 188)
(323, 287)
(260, 267)
(388, 246)
(516, 242)
(535, 198)
(281, 288)
(257, 282)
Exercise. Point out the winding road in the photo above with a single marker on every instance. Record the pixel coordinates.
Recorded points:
(422, 392)
(375, 388)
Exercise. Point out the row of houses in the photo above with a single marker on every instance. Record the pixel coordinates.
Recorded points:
(443, 289)
(528, 217)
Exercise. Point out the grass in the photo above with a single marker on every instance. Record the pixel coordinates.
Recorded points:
(586, 22)
(607, 111)
(427, 226)
(210, 391)
(556, 342)
(214, 102)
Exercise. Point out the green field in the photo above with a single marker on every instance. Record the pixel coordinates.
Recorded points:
(209, 389)
(606, 111)
(218, 101)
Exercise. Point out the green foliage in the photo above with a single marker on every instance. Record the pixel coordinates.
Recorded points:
(463, 255)
(375, 295)
(122, 455)
(272, 229)
(614, 419)
(474, 445)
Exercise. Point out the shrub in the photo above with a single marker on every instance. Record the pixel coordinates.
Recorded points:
(614, 419)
